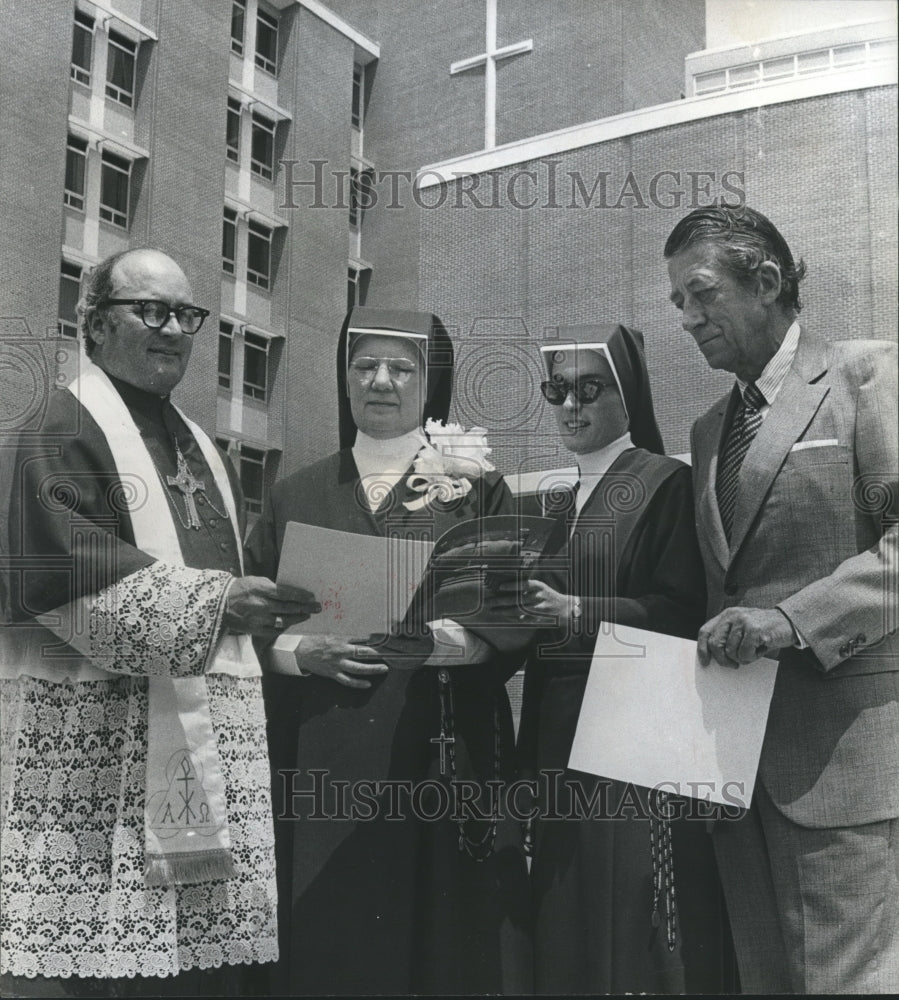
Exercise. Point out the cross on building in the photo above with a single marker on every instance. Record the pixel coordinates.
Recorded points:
(488, 60)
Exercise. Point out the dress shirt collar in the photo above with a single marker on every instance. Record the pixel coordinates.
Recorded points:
(770, 382)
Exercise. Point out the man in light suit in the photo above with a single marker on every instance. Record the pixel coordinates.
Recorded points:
(797, 509)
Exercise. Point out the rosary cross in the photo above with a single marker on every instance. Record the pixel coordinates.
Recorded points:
(443, 740)
(188, 484)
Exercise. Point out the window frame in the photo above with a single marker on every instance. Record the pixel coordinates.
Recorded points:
(273, 23)
(259, 231)
(248, 456)
(253, 343)
(63, 325)
(237, 43)
(235, 110)
(113, 213)
(72, 197)
(229, 219)
(357, 110)
(360, 179)
(115, 92)
(226, 335)
(261, 125)
(357, 280)
(77, 71)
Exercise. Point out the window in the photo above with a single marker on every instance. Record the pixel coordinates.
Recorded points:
(358, 95)
(262, 148)
(82, 48)
(76, 164)
(356, 286)
(69, 293)
(255, 367)
(259, 255)
(238, 18)
(252, 478)
(232, 131)
(226, 342)
(360, 193)
(115, 181)
(355, 210)
(229, 240)
(267, 41)
(120, 69)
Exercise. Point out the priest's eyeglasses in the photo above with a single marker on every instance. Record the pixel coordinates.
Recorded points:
(155, 314)
(586, 390)
(400, 370)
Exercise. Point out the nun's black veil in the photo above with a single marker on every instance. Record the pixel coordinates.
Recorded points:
(439, 388)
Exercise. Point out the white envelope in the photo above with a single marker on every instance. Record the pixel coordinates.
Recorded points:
(654, 716)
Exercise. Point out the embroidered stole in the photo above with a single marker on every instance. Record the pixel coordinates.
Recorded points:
(185, 811)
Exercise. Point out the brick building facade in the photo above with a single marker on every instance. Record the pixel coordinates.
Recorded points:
(229, 134)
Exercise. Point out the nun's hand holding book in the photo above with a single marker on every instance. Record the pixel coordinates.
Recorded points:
(535, 601)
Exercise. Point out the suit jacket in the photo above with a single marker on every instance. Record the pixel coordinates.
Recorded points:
(816, 533)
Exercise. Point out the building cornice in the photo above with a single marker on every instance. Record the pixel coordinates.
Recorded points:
(651, 118)
(367, 50)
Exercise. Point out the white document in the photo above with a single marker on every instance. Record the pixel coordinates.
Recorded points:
(363, 582)
(654, 716)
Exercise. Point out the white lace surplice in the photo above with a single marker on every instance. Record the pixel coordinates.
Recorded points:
(73, 782)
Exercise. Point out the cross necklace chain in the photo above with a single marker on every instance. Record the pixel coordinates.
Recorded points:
(187, 484)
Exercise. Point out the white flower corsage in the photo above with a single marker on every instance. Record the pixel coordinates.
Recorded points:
(450, 457)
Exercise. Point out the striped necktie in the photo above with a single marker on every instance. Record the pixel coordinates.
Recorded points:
(743, 430)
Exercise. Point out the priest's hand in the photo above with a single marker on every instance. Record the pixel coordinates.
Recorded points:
(256, 606)
(742, 635)
(352, 664)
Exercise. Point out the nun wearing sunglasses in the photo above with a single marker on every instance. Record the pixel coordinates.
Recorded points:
(624, 903)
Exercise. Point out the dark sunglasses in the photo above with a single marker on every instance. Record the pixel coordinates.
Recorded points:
(586, 390)
(155, 314)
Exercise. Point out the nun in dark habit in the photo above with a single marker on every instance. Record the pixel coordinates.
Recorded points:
(625, 902)
(405, 904)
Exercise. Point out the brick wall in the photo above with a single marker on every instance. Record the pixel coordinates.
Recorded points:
(819, 168)
(184, 192)
(319, 73)
(581, 69)
(590, 61)
(34, 73)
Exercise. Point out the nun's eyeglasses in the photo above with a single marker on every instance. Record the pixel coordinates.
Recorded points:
(400, 370)
(586, 390)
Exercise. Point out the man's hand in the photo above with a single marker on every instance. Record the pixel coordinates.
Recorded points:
(257, 606)
(742, 635)
(347, 662)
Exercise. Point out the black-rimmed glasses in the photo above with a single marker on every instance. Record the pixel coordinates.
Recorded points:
(586, 390)
(155, 313)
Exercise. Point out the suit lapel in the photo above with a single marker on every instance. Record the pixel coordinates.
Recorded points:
(797, 403)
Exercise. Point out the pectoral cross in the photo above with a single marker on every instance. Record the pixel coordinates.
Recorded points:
(188, 484)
